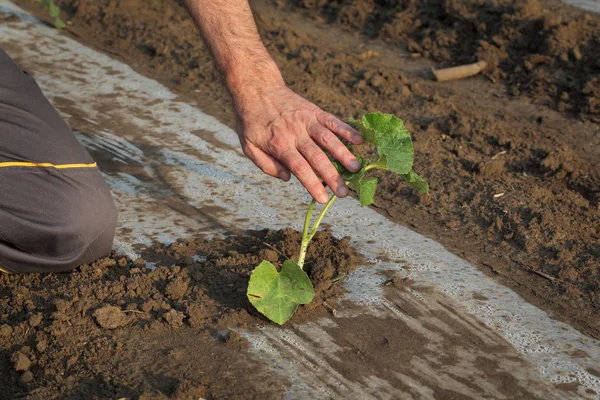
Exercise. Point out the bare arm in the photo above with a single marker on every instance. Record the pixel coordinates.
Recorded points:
(279, 130)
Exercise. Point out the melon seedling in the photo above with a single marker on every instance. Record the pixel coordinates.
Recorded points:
(277, 294)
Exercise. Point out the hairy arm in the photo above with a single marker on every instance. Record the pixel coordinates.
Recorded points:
(280, 131)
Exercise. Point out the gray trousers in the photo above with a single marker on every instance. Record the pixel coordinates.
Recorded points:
(56, 211)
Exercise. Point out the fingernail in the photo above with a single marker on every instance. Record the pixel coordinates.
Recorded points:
(284, 176)
(357, 138)
(323, 198)
(355, 165)
(343, 191)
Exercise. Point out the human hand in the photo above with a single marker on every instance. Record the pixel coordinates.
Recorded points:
(281, 132)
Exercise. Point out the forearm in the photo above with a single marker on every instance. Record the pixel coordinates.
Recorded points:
(280, 131)
(230, 32)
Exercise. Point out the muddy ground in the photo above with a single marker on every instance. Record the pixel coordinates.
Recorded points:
(512, 158)
(117, 329)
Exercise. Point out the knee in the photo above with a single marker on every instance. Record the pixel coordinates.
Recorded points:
(63, 222)
(86, 232)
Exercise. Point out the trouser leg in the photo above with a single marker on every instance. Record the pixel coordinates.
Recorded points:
(56, 211)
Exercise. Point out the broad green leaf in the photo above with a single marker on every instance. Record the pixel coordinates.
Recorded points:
(416, 182)
(366, 191)
(395, 153)
(393, 141)
(276, 295)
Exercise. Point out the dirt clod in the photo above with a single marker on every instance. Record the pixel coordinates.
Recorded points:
(492, 169)
(110, 317)
(174, 318)
(20, 361)
(177, 288)
(36, 319)
(5, 330)
(26, 378)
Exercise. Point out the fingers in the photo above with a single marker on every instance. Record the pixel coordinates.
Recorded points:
(299, 166)
(327, 140)
(321, 164)
(338, 127)
(266, 163)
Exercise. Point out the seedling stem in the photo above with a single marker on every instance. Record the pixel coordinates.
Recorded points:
(306, 235)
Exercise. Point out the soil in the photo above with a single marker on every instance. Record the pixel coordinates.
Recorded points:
(543, 50)
(512, 157)
(515, 184)
(99, 332)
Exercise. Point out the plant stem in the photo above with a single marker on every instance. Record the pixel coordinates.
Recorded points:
(306, 236)
(305, 240)
(320, 217)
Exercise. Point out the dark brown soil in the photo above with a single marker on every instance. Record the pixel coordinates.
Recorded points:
(548, 52)
(118, 329)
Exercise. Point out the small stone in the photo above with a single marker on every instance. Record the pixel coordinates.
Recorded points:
(577, 54)
(20, 361)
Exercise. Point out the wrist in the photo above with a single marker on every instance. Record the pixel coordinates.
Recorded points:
(249, 85)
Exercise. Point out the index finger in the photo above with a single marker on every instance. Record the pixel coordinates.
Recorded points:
(338, 127)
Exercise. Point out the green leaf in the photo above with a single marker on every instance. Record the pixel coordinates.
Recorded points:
(58, 24)
(276, 295)
(392, 139)
(54, 12)
(53, 8)
(416, 182)
(366, 191)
